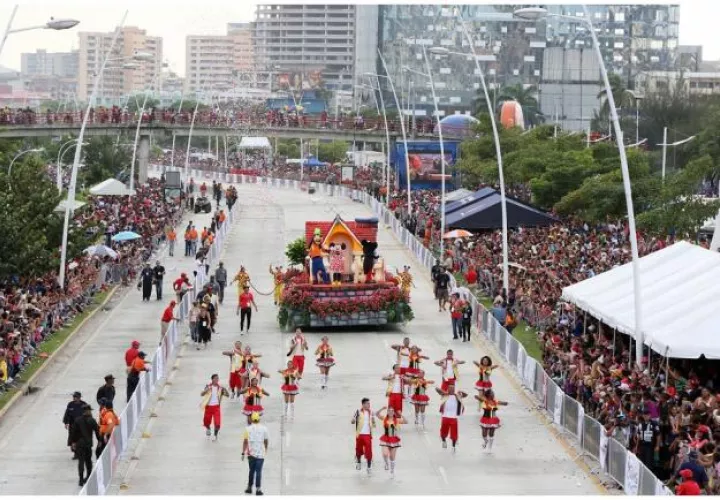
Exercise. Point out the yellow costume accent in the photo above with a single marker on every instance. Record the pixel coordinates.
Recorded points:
(243, 280)
(405, 280)
(279, 284)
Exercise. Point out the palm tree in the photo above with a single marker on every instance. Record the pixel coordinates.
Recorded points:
(622, 96)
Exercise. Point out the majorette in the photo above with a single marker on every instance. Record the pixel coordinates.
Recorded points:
(290, 388)
(236, 363)
(419, 398)
(298, 346)
(489, 420)
(414, 361)
(248, 361)
(254, 371)
(390, 440)
(449, 367)
(253, 398)
(485, 369)
(325, 361)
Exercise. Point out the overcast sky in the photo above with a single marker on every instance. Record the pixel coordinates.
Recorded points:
(174, 19)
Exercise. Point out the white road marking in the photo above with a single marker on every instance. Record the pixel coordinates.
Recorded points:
(287, 477)
(443, 474)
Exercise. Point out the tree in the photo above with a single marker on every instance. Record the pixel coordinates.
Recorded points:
(296, 251)
(103, 160)
(332, 152)
(289, 148)
(188, 105)
(135, 103)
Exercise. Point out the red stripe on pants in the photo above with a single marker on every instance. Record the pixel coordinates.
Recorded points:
(212, 413)
(299, 362)
(395, 401)
(363, 446)
(449, 426)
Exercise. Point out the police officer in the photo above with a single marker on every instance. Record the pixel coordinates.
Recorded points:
(72, 412)
(82, 442)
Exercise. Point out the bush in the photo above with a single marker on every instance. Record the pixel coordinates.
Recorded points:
(296, 252)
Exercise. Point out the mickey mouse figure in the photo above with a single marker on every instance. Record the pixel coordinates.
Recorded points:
(369, 258)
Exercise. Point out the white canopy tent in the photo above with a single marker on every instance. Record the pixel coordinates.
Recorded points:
(111, 187)
(680, 299)
(457, 195)
(255, 143)
(63, 204)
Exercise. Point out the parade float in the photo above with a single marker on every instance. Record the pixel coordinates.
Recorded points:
(343, 281)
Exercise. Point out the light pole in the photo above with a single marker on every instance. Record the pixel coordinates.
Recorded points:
(61, 152)
(534, 14)
(76, 162)
(21, 153)
(52, 24)
(672, 145)
(498, 150)
(387, 139)
(429, 76)
(137, 133)
(638, 97)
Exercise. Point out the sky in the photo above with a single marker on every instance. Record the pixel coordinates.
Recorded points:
(175, 19)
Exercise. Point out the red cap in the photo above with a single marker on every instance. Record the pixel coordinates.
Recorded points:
(686, 473)
(135, 343)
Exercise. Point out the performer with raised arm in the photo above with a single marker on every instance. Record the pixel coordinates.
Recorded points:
(485, 369)
(451, 408)
(236, 364)
(420, 399)
(253, 398)
(298, 346)
(449, 367)
(489, 420)
(395, 389)
(390, 440)
(277, 275)
(249, 359)
(242, 278)
(325, 361)
(290, 388)
(212, 396)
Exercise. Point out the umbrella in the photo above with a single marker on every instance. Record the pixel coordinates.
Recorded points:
(457, 233)
(101, 251)
(126, 236)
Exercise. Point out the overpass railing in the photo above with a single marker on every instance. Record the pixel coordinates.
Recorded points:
(150, 382)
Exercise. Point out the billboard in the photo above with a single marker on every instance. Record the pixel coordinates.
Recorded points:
(299, 80)
(425, 165)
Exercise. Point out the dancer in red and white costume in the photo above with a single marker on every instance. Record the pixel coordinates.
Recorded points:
(325, 361)
(236, 363)
(485, 369)
(395, 389)
(449, 367)
(414, 361)
(212, 396)
(290, 388)
(364, 422)
(489, 420)
(254, 371)
(450, 409)
(253, 398)
(404, 351)
(390, 440)
(298, 346)
(420, 399)
(249, 360)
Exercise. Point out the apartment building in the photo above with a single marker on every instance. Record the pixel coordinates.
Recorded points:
(119, 79)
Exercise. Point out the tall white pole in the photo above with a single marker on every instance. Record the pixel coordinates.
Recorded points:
(9, 27)
(58, 176)
(498, 153)
(664, 152)
(387, 139)
(76, 163)
(442, 155)
(192, 127)
(637, 122)
(404, 134)
(639, 334)
(225, 141)
(137, 138)
(172, 153)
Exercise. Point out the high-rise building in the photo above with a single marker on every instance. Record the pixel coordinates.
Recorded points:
(42, 62)
(633, 38)
(124, 77)
(315, 46)
(220, 62)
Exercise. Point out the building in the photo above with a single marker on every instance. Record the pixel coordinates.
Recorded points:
(220, 62)
(633, 38)
(304, 47)
(691, 82)
(122, 78)
(42, 62)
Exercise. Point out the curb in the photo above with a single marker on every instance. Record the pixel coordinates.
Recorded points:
(26, 384)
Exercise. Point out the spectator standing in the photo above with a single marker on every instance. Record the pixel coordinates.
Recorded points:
(499, 311)
(137, 366)
(168, 317)
(467, 314)
(83, 430)
(158, 276)
(172, 238)
(73, 411)
(132, 353)
(688, 486)
(255, 445)
(221, 279)
(456, 309)
(106, 391)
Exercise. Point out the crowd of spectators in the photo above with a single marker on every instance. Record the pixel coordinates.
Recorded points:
(33, 309)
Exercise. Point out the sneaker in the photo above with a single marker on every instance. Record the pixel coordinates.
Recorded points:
(249, 490)
(444, 444)
(81, 482)
(207, 432)
(259, 493)
(215, 437)
(357, 466)
(387, 467)
(369, 470)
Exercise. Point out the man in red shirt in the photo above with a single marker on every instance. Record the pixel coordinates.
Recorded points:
(245, 300)
(132, 353)
(688, 486)
(471, 277)
(456, 312)
(167, 317)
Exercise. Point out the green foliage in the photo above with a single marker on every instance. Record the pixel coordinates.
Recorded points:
(135, 103)
(296, 251)
(103, 160)
(289, 148)
(332, 152)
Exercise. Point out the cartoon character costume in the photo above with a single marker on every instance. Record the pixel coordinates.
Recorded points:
(337, 261)
(369, 258)
(316, 252)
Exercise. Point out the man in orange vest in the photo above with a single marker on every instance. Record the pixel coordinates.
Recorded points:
(108, 421)
(171, 237)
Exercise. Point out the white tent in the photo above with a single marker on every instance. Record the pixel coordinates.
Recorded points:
(680, 292)
(457, 195)
(63, 204)
(254, 143)
(111, 187)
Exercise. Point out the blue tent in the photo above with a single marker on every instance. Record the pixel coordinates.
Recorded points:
(313, 162)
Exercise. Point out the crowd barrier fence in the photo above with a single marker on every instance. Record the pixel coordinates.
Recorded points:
(150, 382)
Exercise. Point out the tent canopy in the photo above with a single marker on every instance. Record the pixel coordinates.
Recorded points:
(456, 195)
(313, 162)
(680, 292)
(111, 187)
(62, 206)
(254, 143)
(483, 210)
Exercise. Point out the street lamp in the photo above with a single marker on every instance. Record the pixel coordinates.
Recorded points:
(78, 150)
(387, 138)
(137, 133)
(665, 145)
(21, 153)
(536, 13)
(498, 151)
(429, 76)
(58, 177)
(52, 24)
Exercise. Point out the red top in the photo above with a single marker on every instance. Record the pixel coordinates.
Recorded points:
(471, 277)
(688, 487)
(168, 316)
(457, 309)
(130, 355)
(245, 299)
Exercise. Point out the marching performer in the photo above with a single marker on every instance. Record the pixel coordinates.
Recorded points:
(242, 278)
(289, 387)
(253, 398)
(277, 275)
(485, 369)
(449, 367)
(248, 360)
(254, 371)
(325, 361)
(236, 365)
(489, 420)
(298, 346)
(403, 355)
(364, 422)
(390, 441)
(450, 409)
(405, 281)
(395, 389)
(212, 396)
(419, 398)
(414, 361)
